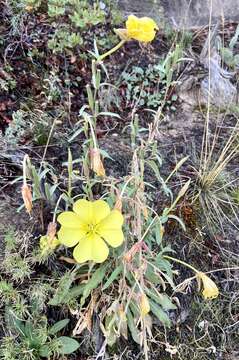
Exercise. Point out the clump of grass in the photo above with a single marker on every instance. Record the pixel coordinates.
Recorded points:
(214, 184)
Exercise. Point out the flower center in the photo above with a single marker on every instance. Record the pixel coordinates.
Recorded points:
(91, 229)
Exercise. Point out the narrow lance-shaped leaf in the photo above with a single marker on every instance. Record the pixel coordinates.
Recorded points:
(113, 277)
(59, 325)
(94, 281)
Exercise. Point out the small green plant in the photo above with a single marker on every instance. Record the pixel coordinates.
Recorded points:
(74, 20)
(7, 85)
(34, 125)
(153, 87)
(36, 339)
(57, 7)
(63, 39)
(229, 57)
(147, 87)
(16, 267)
(86, 15)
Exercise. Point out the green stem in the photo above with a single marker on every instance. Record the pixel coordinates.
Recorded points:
(92, 133)
(111, 51)
(56, 207)
(181, 262)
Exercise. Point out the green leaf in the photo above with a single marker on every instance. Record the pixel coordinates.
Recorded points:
(68, 345)
(165, 266)
(14, 322)
(58, 326)
(132, 327)
(45, 351)
(178, 220)
(161, 299)
(74, 292)
(159, 313)
(234, 39)
(108, 113)
(94, 281)
(158, 233)
(155, 168)
(152, 276)
(63, 289)
(113, 277)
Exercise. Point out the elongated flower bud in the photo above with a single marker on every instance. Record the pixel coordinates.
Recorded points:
(27, 197)
(144, 305)
(96, 162)
(51, 230)
(118, 204)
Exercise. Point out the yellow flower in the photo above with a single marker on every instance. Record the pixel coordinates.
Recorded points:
(210, 289)
(89, 227)
(141, 29)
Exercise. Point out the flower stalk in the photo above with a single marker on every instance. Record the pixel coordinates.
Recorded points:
(210, 289)
(111, 51)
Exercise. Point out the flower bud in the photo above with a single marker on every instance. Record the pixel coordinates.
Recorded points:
(144, 305)
(210, 289)
(51, 230)
(122, 33)
(27, 197)
(118, 204)
(96, 162)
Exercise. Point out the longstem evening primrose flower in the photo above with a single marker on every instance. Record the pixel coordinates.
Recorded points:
(89, 228)
(210, 289)
(141, 29)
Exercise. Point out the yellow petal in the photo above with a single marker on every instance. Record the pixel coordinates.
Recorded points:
(70, 219)
(132, 23)
(110, 228)
(145, 36)
(210, 289)
(113, 221)
(83, 251)
(100, 210)
(147, 23)
(70, 237)
(91, 212)
(141, 29)
(113, 237)
(83, 208)
(91, 248)
(100, 250)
